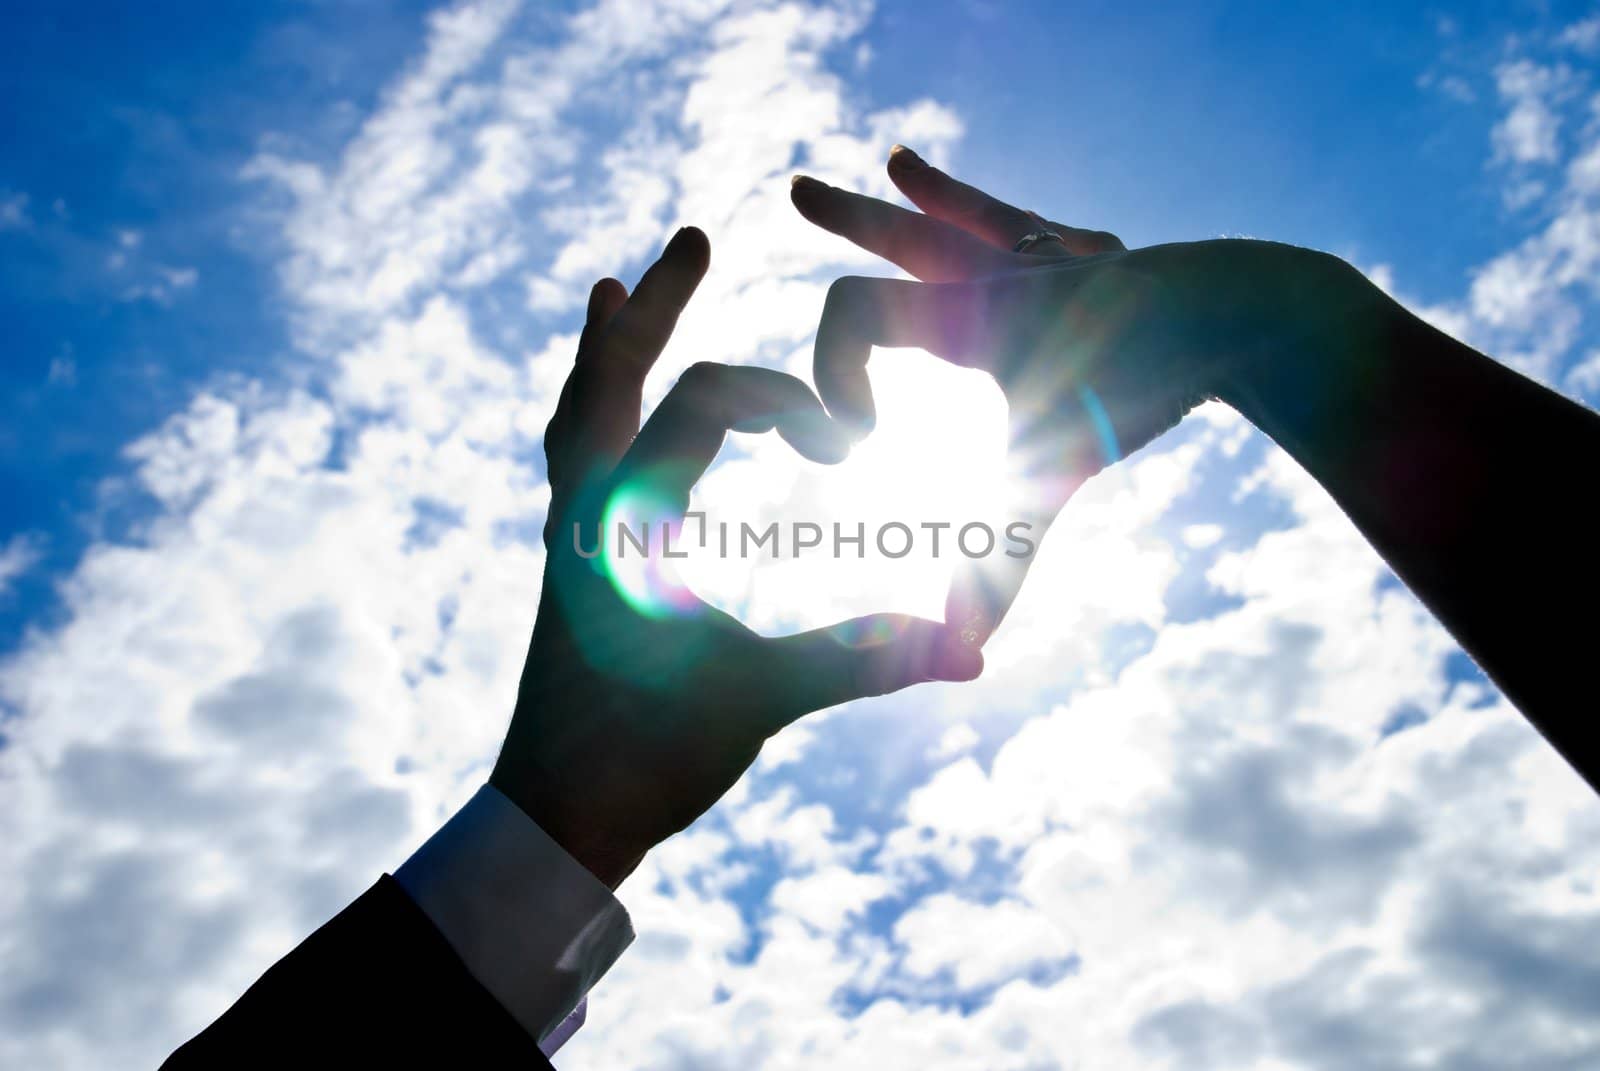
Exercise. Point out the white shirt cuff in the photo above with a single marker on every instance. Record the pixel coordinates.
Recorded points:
(530, 922)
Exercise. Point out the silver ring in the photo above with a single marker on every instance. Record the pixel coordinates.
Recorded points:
(1033, 238)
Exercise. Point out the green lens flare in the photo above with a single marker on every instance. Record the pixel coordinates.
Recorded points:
(638, 526)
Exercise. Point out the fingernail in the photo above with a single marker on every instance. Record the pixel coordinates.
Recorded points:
(904, 157)
(805, 182)
(689, 243)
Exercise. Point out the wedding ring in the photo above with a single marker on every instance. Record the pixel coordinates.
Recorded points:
(1033, 238)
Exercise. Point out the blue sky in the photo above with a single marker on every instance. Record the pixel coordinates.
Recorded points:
(290, 289)
(1301, 125)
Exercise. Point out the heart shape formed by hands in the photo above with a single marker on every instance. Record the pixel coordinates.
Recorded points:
(783, 543)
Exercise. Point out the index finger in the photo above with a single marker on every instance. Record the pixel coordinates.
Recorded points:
(990, 218)
(639, 331)
(945, 319)
(682, 437)
(607, 381)
(928, 248)
(967, 207)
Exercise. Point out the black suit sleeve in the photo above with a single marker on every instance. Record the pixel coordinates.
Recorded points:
(376, 986)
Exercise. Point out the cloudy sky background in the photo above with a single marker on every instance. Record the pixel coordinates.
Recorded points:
(291, 295)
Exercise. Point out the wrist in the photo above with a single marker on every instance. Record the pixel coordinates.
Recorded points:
(567, 821)
(1305, 323)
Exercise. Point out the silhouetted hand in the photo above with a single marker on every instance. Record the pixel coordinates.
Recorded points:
(639, 704)
(1098, 349)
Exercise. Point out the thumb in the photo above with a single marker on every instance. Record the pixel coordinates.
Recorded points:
(871, 655)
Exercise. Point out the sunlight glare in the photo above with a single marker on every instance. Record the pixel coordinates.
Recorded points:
(937, 455)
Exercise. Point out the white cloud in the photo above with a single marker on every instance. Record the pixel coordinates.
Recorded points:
(427, 183)
(801, 834)
(1273, 833)
(957, 739)
(1201, 536)
(1250, 872)
(1584, 377)
(17, 556)
(13, 210)
(164, 285)
(1528, 305)
(1237, 863)
(977, 944)
(180, 278)
(1528, 133)
(826, 898)
(320, 627)
(1582, 36)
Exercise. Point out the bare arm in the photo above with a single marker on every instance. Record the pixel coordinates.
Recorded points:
(1474, 483)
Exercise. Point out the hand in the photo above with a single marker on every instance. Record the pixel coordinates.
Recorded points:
(635, 715)
(1098, 349)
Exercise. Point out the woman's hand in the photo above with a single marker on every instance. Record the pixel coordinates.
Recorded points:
(637, 711)
(1098, 349)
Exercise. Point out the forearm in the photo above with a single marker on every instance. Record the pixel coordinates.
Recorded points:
(1463, 474)
(376, 986)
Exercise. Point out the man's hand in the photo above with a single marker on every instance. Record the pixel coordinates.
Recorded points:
(637, 712)
(1098, 349)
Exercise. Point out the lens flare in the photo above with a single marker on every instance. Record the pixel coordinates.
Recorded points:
(641, 533)
(1104, 432)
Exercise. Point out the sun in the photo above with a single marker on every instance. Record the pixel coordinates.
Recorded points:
(935, 463)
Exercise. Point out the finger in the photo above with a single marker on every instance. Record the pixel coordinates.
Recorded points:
(640, 329)
(1080, 241)
(681, 438)
(983, 589)
(947, 319)
(928, 248)
(967, 207)
(606, 297)
(996, 222)
(608, 386)
(871, 655)
(1052, 456)
(605, 300)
